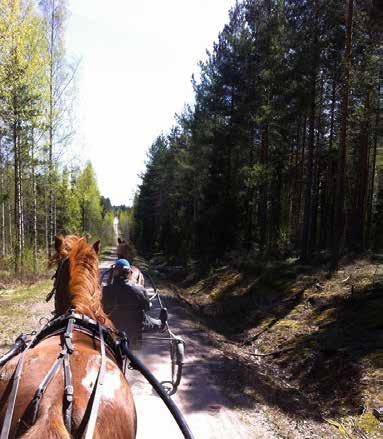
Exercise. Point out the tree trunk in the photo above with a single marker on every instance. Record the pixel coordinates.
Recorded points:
(50, 128)
(294, 190)
(34, 204)
(339, 215)
(250, 198)
(262, 208)
(372, 173)
(2, 200)
(327, 222)
(298, 236)
(18, 213)
(307, 213)
(46, 210)
(318, 171)
(20, 179)
(307, 216)
(10, 231)
(359, 217)
(10, 222)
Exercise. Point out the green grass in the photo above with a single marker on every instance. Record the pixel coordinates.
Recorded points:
(21, 310)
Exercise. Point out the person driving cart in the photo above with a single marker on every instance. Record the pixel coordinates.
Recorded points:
(123, 285)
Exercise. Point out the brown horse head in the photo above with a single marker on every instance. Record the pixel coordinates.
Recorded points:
(126, 250)
(77, 287)
(77, 283)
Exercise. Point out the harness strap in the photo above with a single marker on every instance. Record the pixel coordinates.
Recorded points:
(50, 294)
(62, 359)
(19, 346)
(68, 393)
(12, 397)
(98, 388)
(34, 406)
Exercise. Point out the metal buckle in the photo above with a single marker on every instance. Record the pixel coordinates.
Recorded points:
(69, 393)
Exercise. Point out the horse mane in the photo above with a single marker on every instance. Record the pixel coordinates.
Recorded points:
(83, 289)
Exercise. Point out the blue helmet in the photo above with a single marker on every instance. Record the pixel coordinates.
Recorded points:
(123, 263)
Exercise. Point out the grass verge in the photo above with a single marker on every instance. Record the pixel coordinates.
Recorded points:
(21, 309)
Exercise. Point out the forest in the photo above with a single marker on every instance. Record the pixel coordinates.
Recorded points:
(42, 190)
(259, 216)
(280, 154)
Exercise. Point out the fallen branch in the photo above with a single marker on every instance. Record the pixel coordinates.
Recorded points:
(340, 427)
(255, 336)
(269, 325)
(279, 351)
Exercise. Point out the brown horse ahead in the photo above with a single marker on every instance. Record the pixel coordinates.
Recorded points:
(126, 250)
(78, 288)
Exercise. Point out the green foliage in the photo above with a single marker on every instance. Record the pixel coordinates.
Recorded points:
(88, 197)
(38, 195)
(235, 173)
(68, 206)
(126, 223)
(107, 236)
(256, 175)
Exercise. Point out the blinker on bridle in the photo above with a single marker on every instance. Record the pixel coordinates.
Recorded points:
(56, 277)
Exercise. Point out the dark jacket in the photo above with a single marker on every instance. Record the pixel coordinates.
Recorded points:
(125, 292)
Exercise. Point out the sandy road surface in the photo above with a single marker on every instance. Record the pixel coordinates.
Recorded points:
(208, 411)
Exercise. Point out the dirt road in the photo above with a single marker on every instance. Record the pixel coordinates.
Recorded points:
(200, 397)
(209, 412)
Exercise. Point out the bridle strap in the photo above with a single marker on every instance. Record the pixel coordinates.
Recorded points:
(98, 389)
(56, 277)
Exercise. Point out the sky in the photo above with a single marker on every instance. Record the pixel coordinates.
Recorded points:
(137, 58)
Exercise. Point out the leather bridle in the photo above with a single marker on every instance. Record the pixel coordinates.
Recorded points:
(57, 278)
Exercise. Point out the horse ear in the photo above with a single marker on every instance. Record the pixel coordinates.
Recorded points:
(119, 240)
(96, 247)
(59, 242)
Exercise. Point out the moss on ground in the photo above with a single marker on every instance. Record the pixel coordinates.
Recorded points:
(369, 425)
